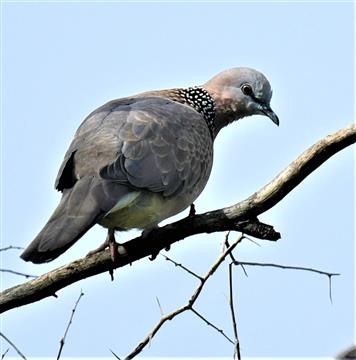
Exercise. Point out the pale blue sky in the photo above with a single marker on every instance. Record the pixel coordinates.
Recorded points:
(61, 61)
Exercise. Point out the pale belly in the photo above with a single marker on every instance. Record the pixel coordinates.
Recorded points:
(143, 210)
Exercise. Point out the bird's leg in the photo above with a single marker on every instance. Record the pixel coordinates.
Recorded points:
(110, 243)
(113, 245)
(113, 248)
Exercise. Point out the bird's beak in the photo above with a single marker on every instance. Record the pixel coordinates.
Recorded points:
(266, 110)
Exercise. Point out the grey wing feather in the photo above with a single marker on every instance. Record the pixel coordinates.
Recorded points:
(160, 143)
(91, 138)
(142, 142)
(79, 209)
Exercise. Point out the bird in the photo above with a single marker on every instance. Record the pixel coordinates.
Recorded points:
(138, 160)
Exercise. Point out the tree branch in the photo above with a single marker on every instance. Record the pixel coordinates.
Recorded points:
(13, 345)
(17, 273)
(188, 305)
(293, 174)
(63, 339)
(328, 274)
(233, 316)
(239, 217)
(10, 247)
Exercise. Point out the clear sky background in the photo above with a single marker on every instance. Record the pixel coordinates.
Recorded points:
(62, 60)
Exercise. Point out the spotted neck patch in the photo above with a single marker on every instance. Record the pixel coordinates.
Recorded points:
(201, 101)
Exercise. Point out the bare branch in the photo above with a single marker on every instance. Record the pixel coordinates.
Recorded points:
(61, 343)
(4, 354)
(233, 317)
(239, 217)
(159, 306)
(17, 273)
(13, 346)
(253, 241)
(244, 270)
(248, 263)
(188, 306)
(10, 247)
(330, 292)
(328, 274)
(183, 267)
(211, 324)
(117, 357)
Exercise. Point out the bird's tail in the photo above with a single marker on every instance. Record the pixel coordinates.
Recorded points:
(80, 208)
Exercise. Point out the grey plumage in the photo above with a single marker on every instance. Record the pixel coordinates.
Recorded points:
(136, 161)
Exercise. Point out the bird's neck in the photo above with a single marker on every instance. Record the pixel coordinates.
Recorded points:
(228, 109)
(196, 97)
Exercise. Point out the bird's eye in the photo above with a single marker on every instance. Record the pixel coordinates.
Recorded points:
(247, 89)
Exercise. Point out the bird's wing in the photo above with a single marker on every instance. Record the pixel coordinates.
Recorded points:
(148, 143)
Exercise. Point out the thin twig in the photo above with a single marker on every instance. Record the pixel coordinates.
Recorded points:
(233, 316)
(330, 292)
(247, 263)
(244, 270)
(226, 242)
(11, 247)
(17, 273)
(62, 341)
(211, 324)
(117, 357)
(253, 241)
(183, 267)
(187, 306)
(4, 354)
(13, 345)
(328, 274)
(159, 306)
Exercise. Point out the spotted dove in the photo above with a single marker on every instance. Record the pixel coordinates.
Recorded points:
(138, 160)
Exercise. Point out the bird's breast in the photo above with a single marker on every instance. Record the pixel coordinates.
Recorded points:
(143, 210)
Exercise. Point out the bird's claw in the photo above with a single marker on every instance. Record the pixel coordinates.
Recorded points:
(153, 256)
(113, 246)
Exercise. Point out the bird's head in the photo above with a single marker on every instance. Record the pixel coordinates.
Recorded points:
(240, 92)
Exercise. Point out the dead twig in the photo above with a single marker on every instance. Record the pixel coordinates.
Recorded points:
(211, 325)
(10, 247)
(62, 341)
(227, 245)
(183, 267)
(117, 357)
(4, 354)
(13, 346)
(248, 263)
(188, 306)
(17, 273)
(159, 306)
(289, 267)
(237, 351)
